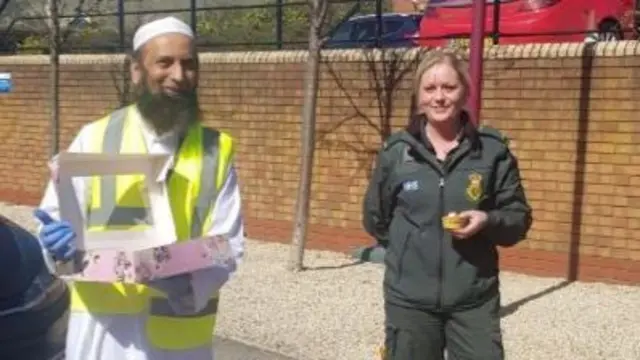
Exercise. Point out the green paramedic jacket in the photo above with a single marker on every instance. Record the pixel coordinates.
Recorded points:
(409, 193)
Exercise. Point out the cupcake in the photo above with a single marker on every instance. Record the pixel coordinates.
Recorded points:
(453, 221)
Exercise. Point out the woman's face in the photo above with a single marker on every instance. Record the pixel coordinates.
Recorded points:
(442, 94)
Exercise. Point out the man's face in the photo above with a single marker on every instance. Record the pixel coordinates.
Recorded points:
(166, 76)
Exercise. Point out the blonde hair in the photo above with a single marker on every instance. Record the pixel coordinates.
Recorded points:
(442, 56)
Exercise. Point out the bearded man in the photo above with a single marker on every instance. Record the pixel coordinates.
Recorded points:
(171, 318)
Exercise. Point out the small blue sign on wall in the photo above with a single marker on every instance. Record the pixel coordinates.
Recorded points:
(6, 83)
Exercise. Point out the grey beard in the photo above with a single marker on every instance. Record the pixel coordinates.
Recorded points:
(164, 113)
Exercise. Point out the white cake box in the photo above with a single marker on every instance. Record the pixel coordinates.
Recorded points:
(131, 256)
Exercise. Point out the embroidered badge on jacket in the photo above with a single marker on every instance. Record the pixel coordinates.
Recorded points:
(410, 185)
(474, 188)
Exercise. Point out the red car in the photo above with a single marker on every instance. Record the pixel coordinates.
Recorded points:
(529, 21)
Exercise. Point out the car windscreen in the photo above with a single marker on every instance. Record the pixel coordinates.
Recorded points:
(364, 29)
(416, 19)
(343, 33)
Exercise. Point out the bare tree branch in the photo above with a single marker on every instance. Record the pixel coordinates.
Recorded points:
(34, 13)
(358, 113)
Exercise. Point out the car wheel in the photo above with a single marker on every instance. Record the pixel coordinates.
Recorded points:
(610, 30)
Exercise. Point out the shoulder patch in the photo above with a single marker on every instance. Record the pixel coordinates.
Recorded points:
(494, 133)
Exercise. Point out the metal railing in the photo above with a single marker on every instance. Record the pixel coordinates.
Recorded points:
(281, 24)
(277, 25)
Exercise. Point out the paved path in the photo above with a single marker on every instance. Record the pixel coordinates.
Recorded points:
(233, 350)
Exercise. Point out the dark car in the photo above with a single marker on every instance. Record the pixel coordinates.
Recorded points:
(398, 30)
(33, 302)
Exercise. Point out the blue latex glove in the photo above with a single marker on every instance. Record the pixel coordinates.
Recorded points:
(56, 236)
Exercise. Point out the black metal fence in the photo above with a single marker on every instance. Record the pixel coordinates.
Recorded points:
(281, 24)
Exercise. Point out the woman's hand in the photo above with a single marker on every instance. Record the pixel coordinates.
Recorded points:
(475, 220)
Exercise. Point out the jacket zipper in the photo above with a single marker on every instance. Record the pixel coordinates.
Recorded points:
(441, 244)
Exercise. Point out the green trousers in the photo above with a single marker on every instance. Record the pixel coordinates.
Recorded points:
(472, 334)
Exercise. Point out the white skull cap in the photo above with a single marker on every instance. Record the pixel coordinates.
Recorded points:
(167, 25)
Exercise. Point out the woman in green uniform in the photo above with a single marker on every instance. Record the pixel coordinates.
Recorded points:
(443, 196)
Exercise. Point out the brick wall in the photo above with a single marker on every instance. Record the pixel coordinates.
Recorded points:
(571, 118)
(408, 6)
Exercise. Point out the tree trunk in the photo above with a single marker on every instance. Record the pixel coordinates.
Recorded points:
(3, 5)
(317, 11)
(54, 76)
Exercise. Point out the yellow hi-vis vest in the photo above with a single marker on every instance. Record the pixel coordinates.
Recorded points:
(116, 202)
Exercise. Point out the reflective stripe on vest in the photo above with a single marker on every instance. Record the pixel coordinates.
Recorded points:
(111, 302)
(167, 330)
(161, 307)
(200, 171)
(163, 327)
(110, 215)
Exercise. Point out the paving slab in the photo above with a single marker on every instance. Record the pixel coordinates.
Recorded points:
(227, 349)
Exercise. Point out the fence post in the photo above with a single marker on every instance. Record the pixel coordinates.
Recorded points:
(279, 21)
(194, 17)
(378, 23)
(54, 96)
(496, 22)
(121, 30)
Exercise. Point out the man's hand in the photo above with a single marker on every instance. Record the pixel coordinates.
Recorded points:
(57, 237)
(476, 220)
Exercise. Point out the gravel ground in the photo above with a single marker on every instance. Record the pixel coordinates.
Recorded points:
(334, 309)
(226, 349)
